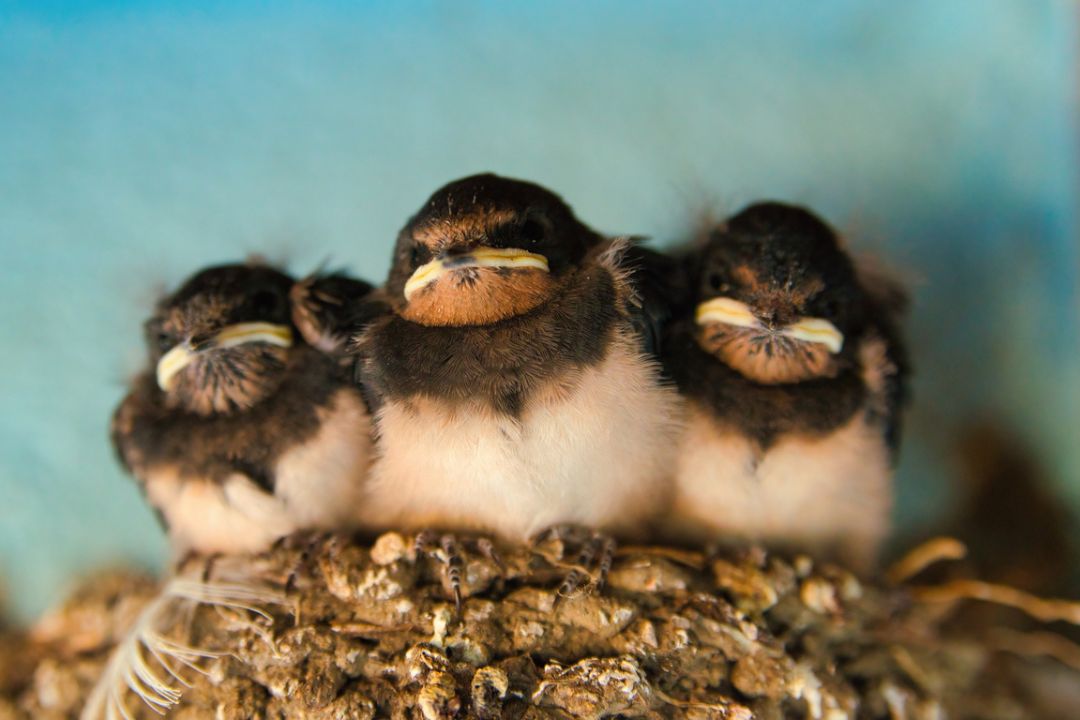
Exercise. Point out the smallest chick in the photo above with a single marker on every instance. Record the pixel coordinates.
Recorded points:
(794, 375)
(240, 432)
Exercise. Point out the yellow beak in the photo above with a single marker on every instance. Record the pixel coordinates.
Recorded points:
(729, 311)
(816, 330)
(482, 257)
(181, 356)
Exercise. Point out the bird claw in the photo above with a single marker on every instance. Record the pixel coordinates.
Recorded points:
(592, 563)
(310, 544)
(488, 550)
(447, 549)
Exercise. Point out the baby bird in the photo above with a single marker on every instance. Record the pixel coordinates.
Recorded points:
(794, 376)
(514, 385)
(241, 433)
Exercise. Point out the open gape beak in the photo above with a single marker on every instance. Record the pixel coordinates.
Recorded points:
(729, 311)
(481, 257)
(181, 356)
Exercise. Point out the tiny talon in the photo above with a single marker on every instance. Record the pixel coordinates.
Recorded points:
(454, 563)
(555, 534)
(607, 557)
(423, 543)
(587, 553)
(310, 544)
(570, 585)
(591, 565)
(488, 550)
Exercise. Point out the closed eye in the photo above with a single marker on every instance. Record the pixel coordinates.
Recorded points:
(532, 231)
(267, 304)
(420, 255)
(716, 282)
(827, 307)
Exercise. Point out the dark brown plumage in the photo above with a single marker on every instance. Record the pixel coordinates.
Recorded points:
(500, 363)
(329, 309)
(794, 374)
(147, 432)
(761, 412)
(493, 211)
(253, 433)
(514, 381)
(784, 262)
(503, 361)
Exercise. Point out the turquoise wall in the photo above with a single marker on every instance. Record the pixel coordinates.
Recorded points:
(139, 142)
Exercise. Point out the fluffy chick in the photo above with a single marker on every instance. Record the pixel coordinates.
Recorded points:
(241, 433)
(514, 383)
(794, 375)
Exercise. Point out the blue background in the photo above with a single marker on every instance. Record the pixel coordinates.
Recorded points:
(139, 142)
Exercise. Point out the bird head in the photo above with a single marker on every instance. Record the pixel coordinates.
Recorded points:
(220, 342)
(484, 249)
(777, 297)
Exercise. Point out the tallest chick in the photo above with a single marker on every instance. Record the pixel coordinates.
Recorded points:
(515, 385)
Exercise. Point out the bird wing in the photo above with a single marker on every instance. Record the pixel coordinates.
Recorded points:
(659, 282)
(889, 302)
(127, 420)
(328, 309)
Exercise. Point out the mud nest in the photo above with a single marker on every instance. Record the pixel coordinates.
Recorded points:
(338, 629)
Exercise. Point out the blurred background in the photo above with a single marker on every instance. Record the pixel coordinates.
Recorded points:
(140, 141)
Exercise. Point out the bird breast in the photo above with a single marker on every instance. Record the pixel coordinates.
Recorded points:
(593, 446)
(809, 491)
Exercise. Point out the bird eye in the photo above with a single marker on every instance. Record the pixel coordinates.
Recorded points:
(532, 231)
(164, 341)
(717, 284)
(266, 303)
(420, 255)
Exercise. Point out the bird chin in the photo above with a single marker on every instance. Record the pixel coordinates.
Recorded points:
(479, 296)
(230, 380)
(766, 358)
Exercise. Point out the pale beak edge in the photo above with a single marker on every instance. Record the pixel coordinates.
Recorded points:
(729, 311)
(483, 257)
(181, 356)
(816, 330)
